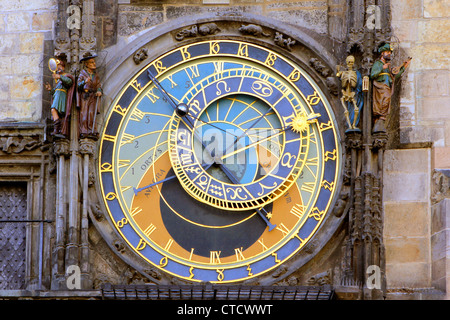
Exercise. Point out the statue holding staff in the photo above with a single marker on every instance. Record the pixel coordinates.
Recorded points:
(88, 96)
(384, 76)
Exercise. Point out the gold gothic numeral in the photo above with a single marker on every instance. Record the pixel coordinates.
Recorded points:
(110, 196)
(249, 269)
(214, 48)
(191, 273)
(109, 137)
(316, 214)
(330, 155)
(106, 167)
(122, 222)
(120, 110)
(326, 126)
(220, 275)
(136, 85)
(270, 60)
(275, 255)
(159, 66)
(294, 75)
(313, 99)
(327, 185)
(185, 53)
(163, 262)
(141, 245)
(243, 50)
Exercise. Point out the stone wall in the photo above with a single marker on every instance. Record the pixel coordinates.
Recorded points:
(422, 29)
(24, 27)
(136, 15)
(407, 218)
(416, 226)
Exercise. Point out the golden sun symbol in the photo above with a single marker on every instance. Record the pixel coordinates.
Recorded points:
(301, 121)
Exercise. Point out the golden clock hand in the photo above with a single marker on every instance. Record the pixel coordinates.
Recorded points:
(181, 109)
(137, 190)
(233, 179)
(246, 130)
(255, 143)
(303, 120)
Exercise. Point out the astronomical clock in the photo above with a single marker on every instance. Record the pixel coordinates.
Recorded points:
(219, 159)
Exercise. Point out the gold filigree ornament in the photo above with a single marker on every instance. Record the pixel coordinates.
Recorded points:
(302, 121)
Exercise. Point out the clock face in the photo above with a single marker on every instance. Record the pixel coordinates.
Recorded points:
(218, 161)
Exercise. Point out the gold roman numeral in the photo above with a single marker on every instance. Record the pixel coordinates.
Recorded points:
(214, 257)
(298, 210)
(239, 254)
(149, 230)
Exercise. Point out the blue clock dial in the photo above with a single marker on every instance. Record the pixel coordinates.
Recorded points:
(219, 161)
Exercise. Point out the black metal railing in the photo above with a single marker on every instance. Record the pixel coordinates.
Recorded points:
(215, 292)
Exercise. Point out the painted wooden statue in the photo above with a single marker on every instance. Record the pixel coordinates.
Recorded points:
(384, 76)
(88, 96)
(352, 98)
(62, 96)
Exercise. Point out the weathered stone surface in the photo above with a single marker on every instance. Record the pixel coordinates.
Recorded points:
(442, 157)
(436, 8)
(406, 219)
(18, 21)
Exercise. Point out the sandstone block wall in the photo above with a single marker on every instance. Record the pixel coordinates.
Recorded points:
(416, 229)
(24, 26)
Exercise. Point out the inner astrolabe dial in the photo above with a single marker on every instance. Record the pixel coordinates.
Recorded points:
(242, 126)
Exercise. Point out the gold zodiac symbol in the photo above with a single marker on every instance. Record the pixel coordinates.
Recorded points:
(225, 87)
(262, 89)
(202, 181)
(266, 187)
(236, 194)
(286, 162)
